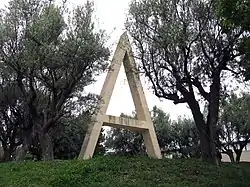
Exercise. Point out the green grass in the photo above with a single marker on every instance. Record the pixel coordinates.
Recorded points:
(123, 171)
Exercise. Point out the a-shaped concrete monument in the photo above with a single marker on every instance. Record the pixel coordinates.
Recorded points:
(143, 124)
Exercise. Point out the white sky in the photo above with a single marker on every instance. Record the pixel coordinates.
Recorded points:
(111, 15)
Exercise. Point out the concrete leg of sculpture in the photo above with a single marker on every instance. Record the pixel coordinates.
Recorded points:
(151, 144)
(90, 140)
(94, 129)
(142, 111)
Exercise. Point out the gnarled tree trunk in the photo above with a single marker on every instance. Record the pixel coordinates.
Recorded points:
(238, 155)
(230, 154)
(208, 154)
(22, 150)
(1, 153)
(6, 156)
(238, 152)
(46, 147)
(213, 113)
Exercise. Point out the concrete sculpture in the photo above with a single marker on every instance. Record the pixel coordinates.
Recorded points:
(143, 124)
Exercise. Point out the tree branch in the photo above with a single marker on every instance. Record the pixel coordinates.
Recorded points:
(199, 86)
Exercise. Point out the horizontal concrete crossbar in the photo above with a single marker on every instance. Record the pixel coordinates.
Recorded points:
(124, 122)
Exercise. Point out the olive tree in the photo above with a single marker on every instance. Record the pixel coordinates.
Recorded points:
(234, 126)
(54, 54)
(183, 51)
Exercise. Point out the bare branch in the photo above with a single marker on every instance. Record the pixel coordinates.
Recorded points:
(199, 86)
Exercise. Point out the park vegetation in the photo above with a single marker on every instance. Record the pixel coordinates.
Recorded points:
(187, 53)
(48, 56)
(187, 50)
(123, 171)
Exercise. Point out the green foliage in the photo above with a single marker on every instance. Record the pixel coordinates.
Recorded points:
(177, 138)
(185, 54)
(185, 138)
(162, 124)
(50, 54)
(234, 132)
(123, 171)
(235, 12)
(124, 142)
(11, 116)
(235, 16)
(235, 112)
(68, 137)
(163, 129)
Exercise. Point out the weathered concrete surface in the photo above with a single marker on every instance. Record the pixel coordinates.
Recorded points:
(123, 54)
(126, 123)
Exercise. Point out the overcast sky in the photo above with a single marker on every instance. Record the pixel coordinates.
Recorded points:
(111, 15)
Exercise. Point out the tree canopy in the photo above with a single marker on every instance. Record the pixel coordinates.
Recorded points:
(185, 54)
(235, 16)
(234, 125)
(50, 54)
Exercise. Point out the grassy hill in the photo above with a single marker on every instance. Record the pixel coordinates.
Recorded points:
(123, 171)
